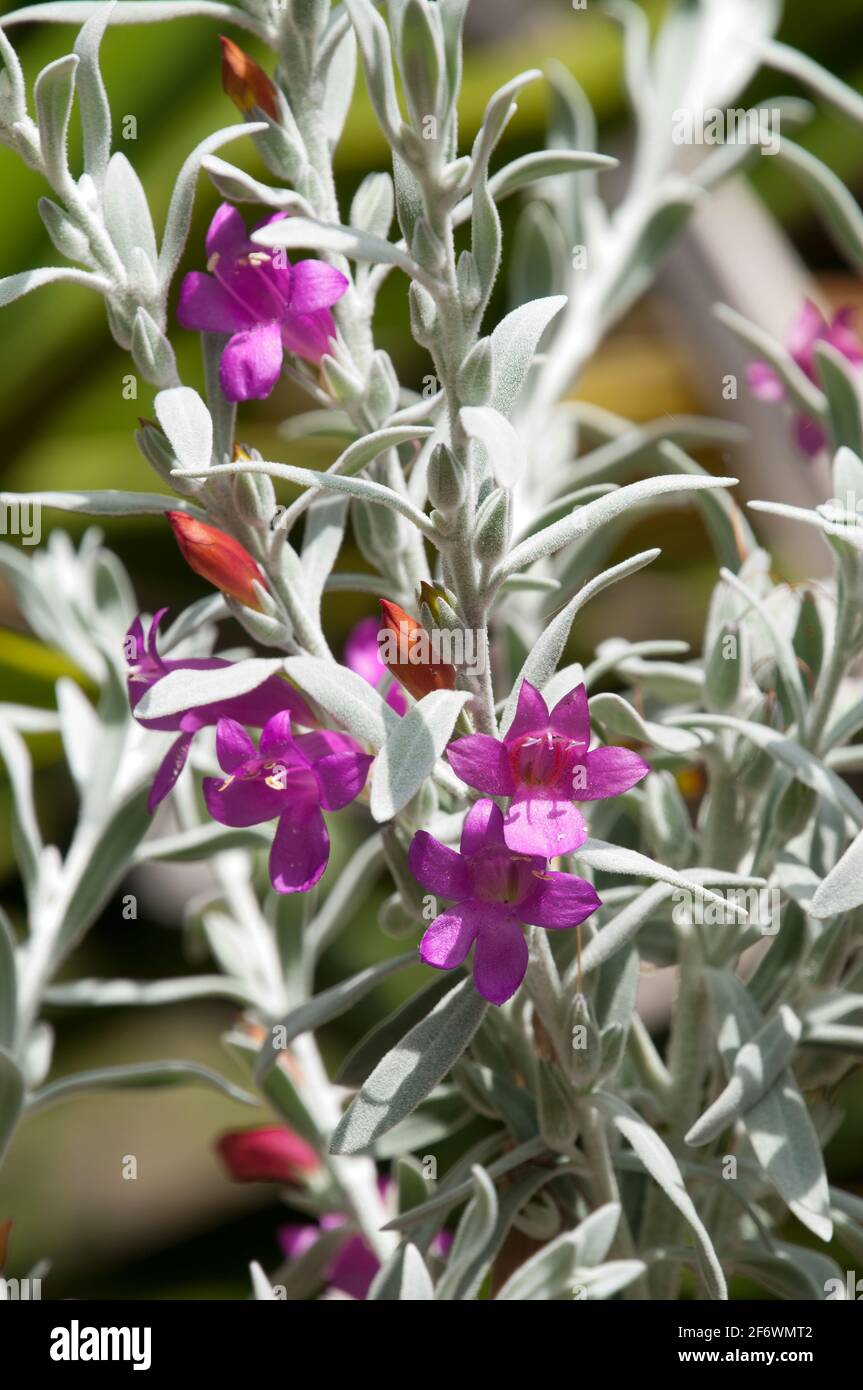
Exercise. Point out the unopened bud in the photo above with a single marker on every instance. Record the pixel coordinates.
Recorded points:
(218, 558)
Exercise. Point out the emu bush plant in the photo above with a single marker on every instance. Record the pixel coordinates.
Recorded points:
(531, 822)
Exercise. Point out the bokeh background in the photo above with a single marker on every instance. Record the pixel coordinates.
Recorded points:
(182, 1230)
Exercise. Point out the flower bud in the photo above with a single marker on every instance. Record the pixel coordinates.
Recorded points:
(423, 312)
(586, 1054)
(446, 482)
(475, 379)
(269, 1153)
(218, 558)
(246, 83)
(723, 672)
(493, 527)
(253, 493)
(557, 1123)
(405, 651)
(440, 606)
(793, 811)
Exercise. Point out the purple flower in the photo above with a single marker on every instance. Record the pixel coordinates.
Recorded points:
(291, 777)
(362, 655)
(146, 668)
(809, 328)
(268, 306)
(354, 1265)
(544, 765)
(494, 892)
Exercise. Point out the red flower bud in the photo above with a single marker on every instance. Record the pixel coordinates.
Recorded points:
(407, 651)
(245, 83)
(270, 1153)
(218, 558)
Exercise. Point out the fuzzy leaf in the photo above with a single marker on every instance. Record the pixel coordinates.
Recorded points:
(410, 1072)
(135, 1076)
(513, 345)
(350, 700)
(779, 1126)
(662, 1167)
(409, 755)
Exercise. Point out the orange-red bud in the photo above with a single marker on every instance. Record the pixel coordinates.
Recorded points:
(218, 558)
(408, 652)
(245, 82)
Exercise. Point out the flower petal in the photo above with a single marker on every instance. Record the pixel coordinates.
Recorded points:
(764, 383)
(449, 938)
(276, 737)
(481, 761)
(233, 745)
(208, 308)
(558, 900)
(239, 802)
(169, 770)
(571, 717)
(258, 706)
(320, 743)
(543, 825)
(500, 958)
(437, 868)
(843, 336)
(483, 826)
(341, 777)
(251, 363)
(226, 234)
(296, 1240)
(607, 772)
(362, 653)
(301, 848)
(809, 325)
(315, 285)
(308, 335)
(531, 714)
(809, 436)
(353, 1268)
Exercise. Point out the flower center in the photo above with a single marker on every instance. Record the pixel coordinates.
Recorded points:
(501, 877)
(537, 760)
(251, 271)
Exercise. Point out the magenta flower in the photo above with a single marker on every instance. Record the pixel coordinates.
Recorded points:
(146, 668)
(362, 655)
(544, 765)
(291, 778)
(354, 1265)
(494, 891)
(809, 328)
(268, 306)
